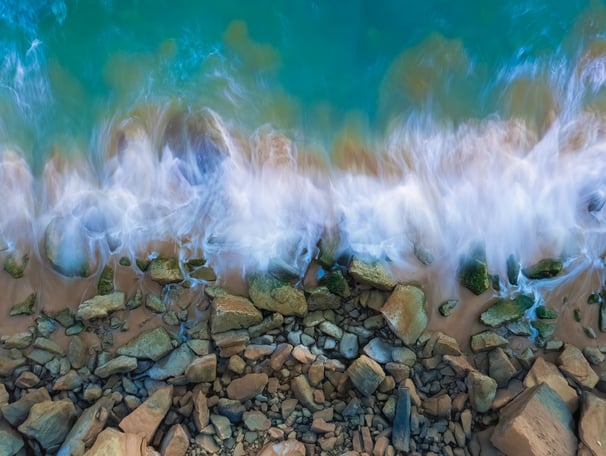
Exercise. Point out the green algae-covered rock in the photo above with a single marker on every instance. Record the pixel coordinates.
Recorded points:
(151, 344)
(165, 270)
(142, 264)
(473, 271)
(405, 313)
(544, 313)
(506, 310)
(447, 307)
(513, 269)
(320, 298)
(545, 328)
(269, 293)
(106, 281)
(204, 273)
(124, 261)
(371, 273)
(336, 283)
(25, 307)
(544, 269)
(101, 306)
(15, 264)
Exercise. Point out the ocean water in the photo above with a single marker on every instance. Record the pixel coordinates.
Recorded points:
(247, 132)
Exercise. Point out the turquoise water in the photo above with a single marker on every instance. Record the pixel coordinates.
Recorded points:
(257, 128)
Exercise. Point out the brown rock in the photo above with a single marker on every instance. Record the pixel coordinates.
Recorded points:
(405, 313)
(573, 363)
(500, 367)
(536, 423)
(438, 406)
(366, 375)
(303, 392)
(482, 390)
(201, 412)
(203, 369)
(233, 312)
(592, 425)
(175, 442)
(247, 387)
(286, 448)
(545, 372)
(146, 418)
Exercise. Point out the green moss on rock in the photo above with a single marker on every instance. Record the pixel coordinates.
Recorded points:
(473, 271)
(106, 281)
(25, 307)
(544, 269)
(506, 310)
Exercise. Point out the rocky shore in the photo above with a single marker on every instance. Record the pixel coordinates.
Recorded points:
(344, 367)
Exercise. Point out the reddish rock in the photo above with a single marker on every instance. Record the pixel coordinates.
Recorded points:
(247, 387)
(592, 425)
(146, 418)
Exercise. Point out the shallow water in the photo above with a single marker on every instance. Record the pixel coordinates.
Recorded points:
(245, 132)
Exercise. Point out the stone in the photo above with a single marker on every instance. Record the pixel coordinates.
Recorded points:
(25, 307)
(68, 248)
(330, 329)
(438, 406)
(106, 281)
(247, 387)
(155, 303)
(482, 390)
(16, 412)
(175, 441)
(165, 270)
(448, 307)
(592, 424)
(173, 364)
(348, 345)
(201, 413)
(256, 421)
(11, 442)
(545, 313)
(49, 422)
(233, 312)
(335, 282)
(202, 369)
(222, 426)
(401, 422)
(602, 316)
(303, 392)
(366, 375)
(101, 306)
(20, 340)
(403, 355)
(371, 273)
(486, 341)
(572, 362)
(446, 345)
(285, 448)
(593, 355)
(233, 410)
(537, 422)
(380, 350)
(473, 271)
(544, 269)
(545, 328)
(405, 313)
(151, 344)
(513, 270)
(274, 321)
(505, 310)
(320, 426)
(119, 365)
(77, 352)
(15, 264)
(115, 443)
(27, 380)
(87, 427)
(68, 382)
(255, 352)
(302, 354)
(204, 273)
(543, 371)
(500, 367)
(320, 298)
(269, 293)
(146, 418)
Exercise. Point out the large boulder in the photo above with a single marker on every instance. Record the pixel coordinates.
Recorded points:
(49, 422)
(269, 293)
(505, 310)
(545, 372)
(592, 425)
(233, 312)
(405, 313)
(101, 306)
(372, 273)
(146, 418)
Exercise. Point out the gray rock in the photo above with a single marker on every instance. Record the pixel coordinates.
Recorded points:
(405, 313)
(330, 329)
(11, 442)
(373, 274)
(256, 421)
(304, 393)
(401, 422)
(101, 306)
(16, 412)
(49, 422)
(147, 417)
(222, 426)
(118, 365)
(482, 390)
(154, 303)
(592, 425)
(172, 365)
(366, 375)
(165, 270)
(89, 424)
(348, 346)
(203, 369)
(20, 340)
(572, 362)
(380, 350)
(68, 382)
(151, 344)
(500, 367)
(269, 293)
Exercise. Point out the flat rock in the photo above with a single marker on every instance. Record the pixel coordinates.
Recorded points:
(482, 390)
(223, 428)
(380, 350)
(10, 441)
(304, 393)
(366, 375)
(25, 307)
(545, 372)
(321, 298)
(506, 310)
(201, 414)
(572, 362)
(500, 367)
(592, 425)
(438, 406)
(269, 293)
(119, 365)
(537, 422)
(49, 422)
(151, 344)
(165, 270)
(8, 363)
(348, 346)
(405, 313)
(371, 273)
(173, 364)
(247, 387)
(285, 448)
(544, 269)
(202, 369)
(146, 418)
(115, 443)
(175, 441)
(401, 422)
(256, 421)
(101, 306)
(16, 412)
(486, 341)
(233, 312)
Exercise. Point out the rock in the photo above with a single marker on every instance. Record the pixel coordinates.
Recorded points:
(173, 364)
(482, 390)
(118, 365)
(438, 406)
(302, 354)
(592, 424)
(145, 419)
(204, 273)
(336, 283)
(330, 329)
(155, 303)
(448, 307)
(208, 444)
(49, 422)
(203, 369)
(593, 355)
(68, 247)
(88, 426)
(101, 306)
(201, 413)
(545, 328)
(247, 387)
(537, 422)
(222, 426)
(366, 375)
(602, 316)
(15, 264)
(473, 271)
(115, 443)
(20, 340)
(165, 270)
(486, 341)
(275, 321)
(10, 441)
(405, 313)
(500, 367)
(16, 412)
(151, 344)
(269, 293)
(256, 421)
(544, 313)
(321, 298)
(27, 380)
(286, 448)
(233, 312)
(175, 441)
(544, 269)
(373, 274)
(68, 382)
(231, 342)
(446, 345)
(381, 350)
(77, 352)
(506, 310)
(106, 281)
(233, 410)
(513, 269)
(545, 372)
(401, 422)
(572, 362)
(303, 392)
(348, 346)
(25, 307)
